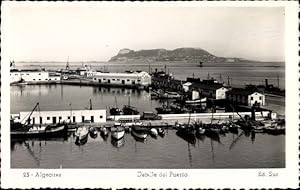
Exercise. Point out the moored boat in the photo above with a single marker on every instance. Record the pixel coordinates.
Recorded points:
(93, 132)
(117, 132)
(81, 133)
(40, 131)
(103, 131)
(153, 132)
(161, 132)
(139, 132)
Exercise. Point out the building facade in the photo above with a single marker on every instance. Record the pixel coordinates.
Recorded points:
(126, 79)
(28, 76)
(245, 97)
(52, 117)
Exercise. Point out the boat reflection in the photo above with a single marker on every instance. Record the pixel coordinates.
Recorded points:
(118, 143)
(80, 142)
(188, 137)
(141, 140)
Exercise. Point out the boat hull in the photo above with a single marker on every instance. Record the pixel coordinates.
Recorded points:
(117, 133)
(139, 132)
(58, 131)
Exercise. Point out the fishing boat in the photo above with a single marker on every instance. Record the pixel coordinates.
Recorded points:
(40, 131)
(139, 132)
(117, 132)
(93, 132)
(116, 110)
(130, 110)
(81, 133)
(196, 101)
(153, 132)
(161, 132)
(169, 95)
(275, 130)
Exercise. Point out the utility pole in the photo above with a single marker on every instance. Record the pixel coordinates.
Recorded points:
(228, 80)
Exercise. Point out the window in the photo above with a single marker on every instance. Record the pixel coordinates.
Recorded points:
(59, 118)
(82, 118)
(39, 73)
(260, 98)
(128, 80)
(69, 117)
(95, 78)
(113, 79)
(48, 118)
(55, 79)
(39, 79)
(251, 98)
(118, 79)
(104, 79)
(50, 79)
(92, 119)
(139, 80)
(101, 116)
(33, 79)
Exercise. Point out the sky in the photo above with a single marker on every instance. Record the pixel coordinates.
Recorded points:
(54, 32)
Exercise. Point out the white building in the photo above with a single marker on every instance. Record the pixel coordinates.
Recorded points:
(49, 117)
(221, 93)
(134, 78)
(256, 97)
(28, 75)
(186, 86)
(245, 97)
(211, 91)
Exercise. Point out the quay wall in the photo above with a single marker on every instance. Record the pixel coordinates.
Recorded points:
(225, 115)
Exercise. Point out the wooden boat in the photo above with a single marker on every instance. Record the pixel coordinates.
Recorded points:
(117, 132)
(197, 101)
(275, 130)
(82, 133)
(169, 95)
(93, 132)
(139, 132)
(161, 132)
(103, 132)
(40, 131)
(153, 132)
(116, 110)
(130, 110)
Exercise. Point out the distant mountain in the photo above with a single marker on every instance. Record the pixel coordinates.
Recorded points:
(180, 54)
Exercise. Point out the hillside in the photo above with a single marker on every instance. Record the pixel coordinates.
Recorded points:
(180, 54)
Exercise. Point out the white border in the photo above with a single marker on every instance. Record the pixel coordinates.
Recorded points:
(204, 178)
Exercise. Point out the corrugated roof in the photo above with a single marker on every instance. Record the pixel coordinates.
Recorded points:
(135, 74)
(241, 91)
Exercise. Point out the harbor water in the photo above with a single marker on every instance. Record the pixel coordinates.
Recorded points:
(232, 151)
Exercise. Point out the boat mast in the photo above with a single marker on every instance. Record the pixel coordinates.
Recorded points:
(28, 119)
(91, 107)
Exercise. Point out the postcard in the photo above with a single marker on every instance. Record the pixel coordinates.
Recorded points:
(149, 95)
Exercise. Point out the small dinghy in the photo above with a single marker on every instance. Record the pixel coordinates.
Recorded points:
(153, 132)
(93, 132)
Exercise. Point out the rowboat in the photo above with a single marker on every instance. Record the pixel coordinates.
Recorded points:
(81, 133)
(139, 132)
(153, 132)
(117, 132)
(93, 132)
